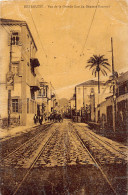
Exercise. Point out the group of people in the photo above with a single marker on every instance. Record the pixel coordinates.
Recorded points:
(55, 117)
(38, 119)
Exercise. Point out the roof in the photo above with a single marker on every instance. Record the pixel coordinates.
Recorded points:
(123, 77)
(90, 82)
(4, 21)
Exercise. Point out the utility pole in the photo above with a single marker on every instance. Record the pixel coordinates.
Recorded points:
(83, 98)
(114, 89)
(10, 83)
(83, 113)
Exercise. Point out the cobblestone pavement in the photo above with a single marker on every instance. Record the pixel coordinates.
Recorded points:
(64, 148)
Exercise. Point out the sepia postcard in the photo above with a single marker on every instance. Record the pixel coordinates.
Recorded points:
(63, 97)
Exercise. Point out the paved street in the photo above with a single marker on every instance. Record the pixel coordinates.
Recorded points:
(63, 158)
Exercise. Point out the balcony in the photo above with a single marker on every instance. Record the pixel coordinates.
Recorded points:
(34, 62)
(35, 85)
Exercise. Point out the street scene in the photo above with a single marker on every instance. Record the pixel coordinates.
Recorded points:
(64, 98)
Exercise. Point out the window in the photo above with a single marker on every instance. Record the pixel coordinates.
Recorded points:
(14, 105)
(39, 93)
(44, 92)
(15, 38)
(15, 69)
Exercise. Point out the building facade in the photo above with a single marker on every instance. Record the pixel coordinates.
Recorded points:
(87, 98)
(18, 50)
(46, 99)
(121, 106)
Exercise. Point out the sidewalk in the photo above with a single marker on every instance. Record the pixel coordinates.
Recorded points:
(16, 131)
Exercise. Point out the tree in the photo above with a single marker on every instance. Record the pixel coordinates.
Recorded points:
(97, 64)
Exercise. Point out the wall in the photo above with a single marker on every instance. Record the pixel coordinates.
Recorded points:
(103, 108)
(4, 68)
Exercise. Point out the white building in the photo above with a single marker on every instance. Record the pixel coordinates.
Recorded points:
(87, 97)
(17, 40)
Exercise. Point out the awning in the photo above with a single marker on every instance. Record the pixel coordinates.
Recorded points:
(34, 88)
(34, 62)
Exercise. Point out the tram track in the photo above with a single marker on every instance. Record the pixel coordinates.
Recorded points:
(99, 148)
(34, 162)
(105, 144)
(95, 161)
(28, 141)
(58, 146)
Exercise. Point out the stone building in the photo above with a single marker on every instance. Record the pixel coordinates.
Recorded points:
(46, 98)
(18, 49)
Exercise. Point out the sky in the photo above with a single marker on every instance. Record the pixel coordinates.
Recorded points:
(68, 32)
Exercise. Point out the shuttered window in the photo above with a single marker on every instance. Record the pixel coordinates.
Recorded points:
(15, 69)
(15, 38)
(14, 105)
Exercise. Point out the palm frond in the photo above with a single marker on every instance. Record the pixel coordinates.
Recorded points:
(104, 59)
(91, 60)
(103, 72)
(93, 71)
(87, 65)
(105, 67)
(95, 57)
(106, 63)
(90, 66)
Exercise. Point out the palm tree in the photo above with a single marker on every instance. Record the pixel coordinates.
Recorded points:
(97, 64)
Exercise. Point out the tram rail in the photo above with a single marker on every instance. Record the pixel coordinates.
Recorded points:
(101, 141)
(95, 162)
(28, 141)
(33, 163)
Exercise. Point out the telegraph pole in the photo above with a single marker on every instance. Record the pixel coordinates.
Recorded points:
(9, 83)
(114, 89)
(83, 98)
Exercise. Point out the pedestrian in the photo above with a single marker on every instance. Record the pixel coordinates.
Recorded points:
(40, 119)
(49, 118)
(35, 118)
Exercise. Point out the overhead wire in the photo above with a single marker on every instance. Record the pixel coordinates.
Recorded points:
(38, 33)
(90, 27)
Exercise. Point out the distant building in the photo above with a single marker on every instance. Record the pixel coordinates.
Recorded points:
(17, 40)
(87, 97)
(46, 98)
